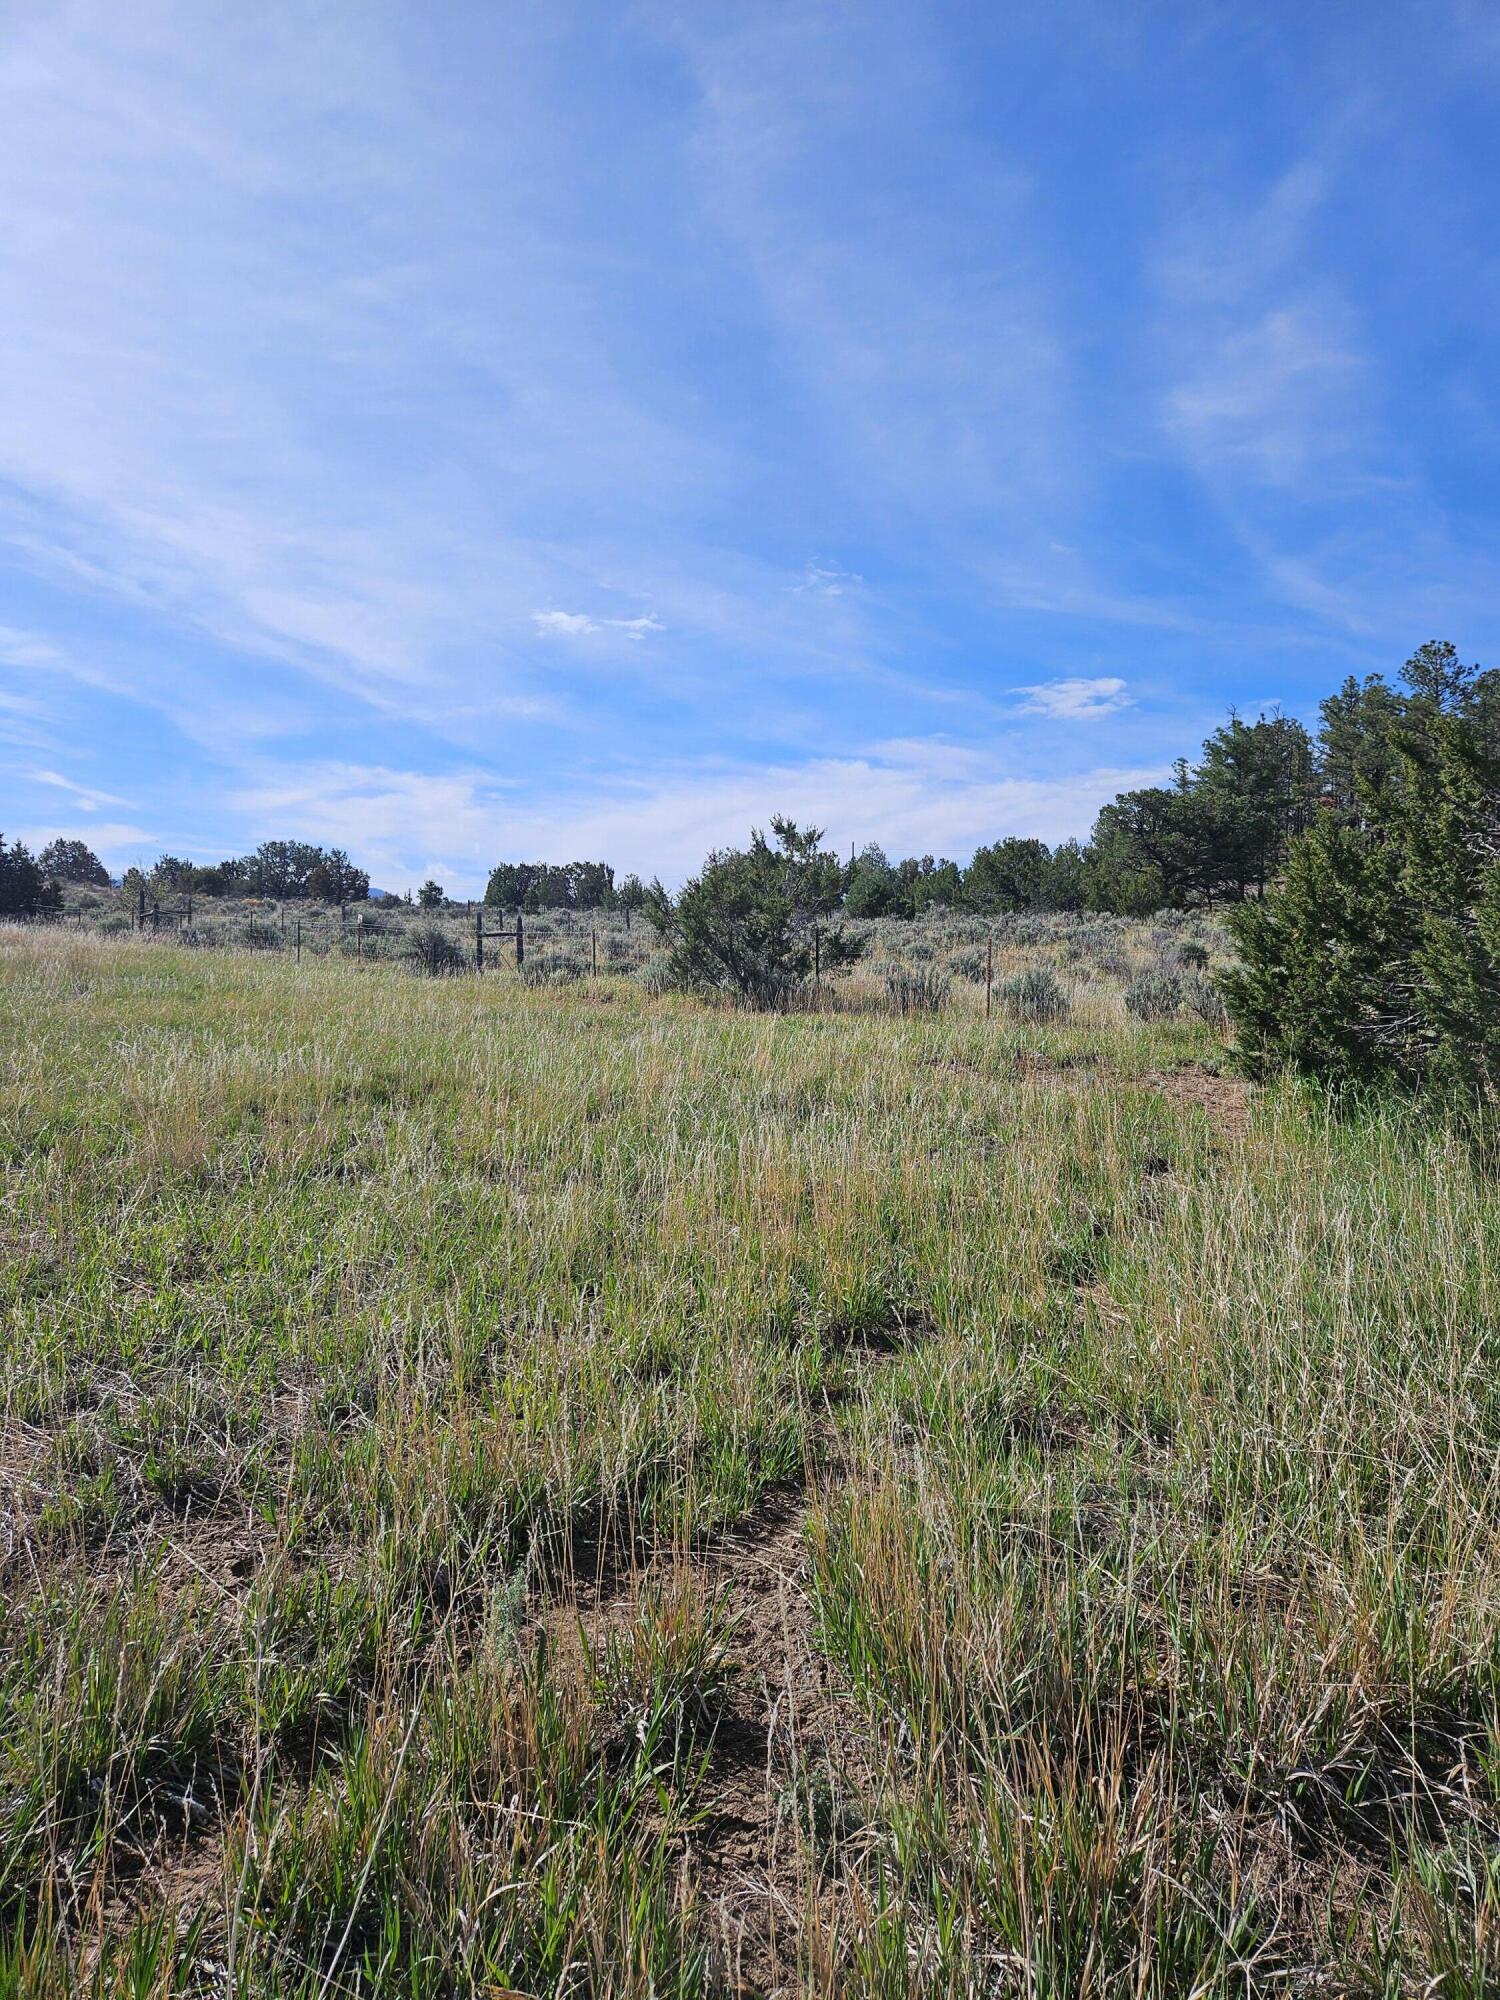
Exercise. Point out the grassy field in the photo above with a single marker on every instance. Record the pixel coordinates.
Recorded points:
(563, 1490)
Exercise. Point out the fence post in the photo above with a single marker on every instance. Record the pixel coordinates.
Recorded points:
(140, 908)
(817, 954)
(479, 942)
(989, 974)
(520, 942)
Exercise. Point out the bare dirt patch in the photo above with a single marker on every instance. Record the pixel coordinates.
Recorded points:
(786, 1741)
(1225, 1099)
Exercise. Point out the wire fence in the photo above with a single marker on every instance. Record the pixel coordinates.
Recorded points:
(475, 938)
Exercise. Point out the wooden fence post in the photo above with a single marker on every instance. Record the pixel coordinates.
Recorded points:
(989, 975)
(520, 942)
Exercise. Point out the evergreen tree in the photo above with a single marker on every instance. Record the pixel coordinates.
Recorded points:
(1013, 874)
(745, 922)
(72, 861)
(24, 890)
(1377, 958)
(1356, 743)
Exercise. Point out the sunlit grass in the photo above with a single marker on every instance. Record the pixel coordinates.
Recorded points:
(353, 1321)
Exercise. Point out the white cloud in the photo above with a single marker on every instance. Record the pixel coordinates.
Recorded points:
(25, 649)
(1269, 395)
(827, 582)
(564, 624)
(116, 842)
(88, 799)
(1076, 700)
(918, 796)
(578, 625)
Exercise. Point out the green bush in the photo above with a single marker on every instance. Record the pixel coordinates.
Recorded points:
(916, 989)
(1155, 995)
(1201, 996)
(656, 974)
(433, 950)
(1035, 995)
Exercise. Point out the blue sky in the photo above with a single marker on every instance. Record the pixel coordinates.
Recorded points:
(495, 430)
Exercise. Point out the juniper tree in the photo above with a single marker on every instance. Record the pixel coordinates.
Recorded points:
(745, 923)
(1377, 957)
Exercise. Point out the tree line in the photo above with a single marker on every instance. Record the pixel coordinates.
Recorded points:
(1218, 834)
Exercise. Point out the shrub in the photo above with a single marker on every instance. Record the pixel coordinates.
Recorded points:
(967, 964)
(1192, 953)
(919, 990)
(553, 968)
(1202, 997)
(655, 976)
(1155, 995)
(745, 924)
(434, 951)
(1035, 995)
(258, 935)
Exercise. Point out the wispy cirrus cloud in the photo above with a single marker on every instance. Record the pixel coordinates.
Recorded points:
(826, 580)
(1054, 378)
(1271, 397)
(89, 799)
(25, 649)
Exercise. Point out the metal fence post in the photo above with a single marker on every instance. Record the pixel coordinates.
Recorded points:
(520, 942)
(479, 942)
